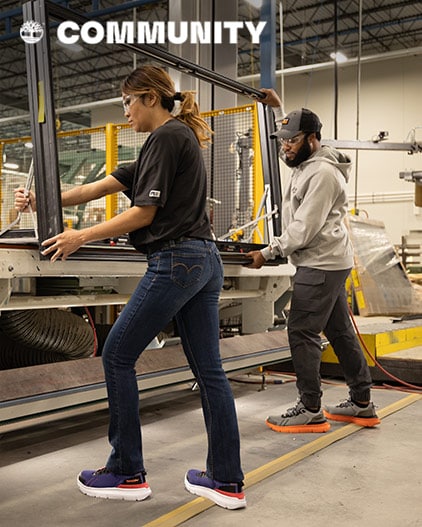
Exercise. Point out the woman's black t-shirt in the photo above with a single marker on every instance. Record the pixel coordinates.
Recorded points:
(170, 174)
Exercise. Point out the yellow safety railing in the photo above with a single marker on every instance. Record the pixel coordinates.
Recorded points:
(93, 152)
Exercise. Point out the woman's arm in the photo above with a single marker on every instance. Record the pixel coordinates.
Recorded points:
(69, 241)
(91, 191)
(75, 196)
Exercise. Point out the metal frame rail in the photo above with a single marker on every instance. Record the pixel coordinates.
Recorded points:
(43, 126)
(270, 166)
(42, 112)
(410, 148)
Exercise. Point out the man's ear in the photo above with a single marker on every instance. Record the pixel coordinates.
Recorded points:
(312, 138)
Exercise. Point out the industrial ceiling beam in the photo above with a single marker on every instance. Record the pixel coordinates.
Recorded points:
(164, 57)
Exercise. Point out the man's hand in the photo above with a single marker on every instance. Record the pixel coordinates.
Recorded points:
(24, 199)
(257, 259)
(271, 98)
(63, 244)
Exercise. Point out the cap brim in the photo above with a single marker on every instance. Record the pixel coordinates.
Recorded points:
(284, 134)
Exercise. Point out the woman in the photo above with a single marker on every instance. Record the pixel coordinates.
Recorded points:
(167, 221)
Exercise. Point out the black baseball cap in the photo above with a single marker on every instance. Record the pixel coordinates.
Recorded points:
(298, 121)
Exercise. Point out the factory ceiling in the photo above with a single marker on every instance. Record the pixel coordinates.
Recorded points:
(310, 30)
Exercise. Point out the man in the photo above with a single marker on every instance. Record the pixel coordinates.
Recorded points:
(316, 240)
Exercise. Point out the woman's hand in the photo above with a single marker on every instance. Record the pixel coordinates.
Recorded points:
(63, 244)
(24, 200)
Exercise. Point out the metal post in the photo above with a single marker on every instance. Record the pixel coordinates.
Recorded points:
(270, 166)
(43, 125)
(268, 44)
(111, 164)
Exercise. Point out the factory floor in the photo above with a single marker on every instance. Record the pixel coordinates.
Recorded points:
(346, 477)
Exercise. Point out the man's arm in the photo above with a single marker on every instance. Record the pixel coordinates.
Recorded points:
(272, 99)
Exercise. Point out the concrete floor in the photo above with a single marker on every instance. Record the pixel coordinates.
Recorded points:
(372, 477)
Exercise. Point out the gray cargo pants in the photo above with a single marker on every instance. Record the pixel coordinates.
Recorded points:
(319, 304)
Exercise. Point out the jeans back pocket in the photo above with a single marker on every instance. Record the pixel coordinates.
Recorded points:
(187, 269)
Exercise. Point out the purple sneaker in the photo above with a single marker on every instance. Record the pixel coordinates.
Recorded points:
(104, 484)
(227, 495)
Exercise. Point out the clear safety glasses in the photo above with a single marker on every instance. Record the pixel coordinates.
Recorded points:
(293, 140)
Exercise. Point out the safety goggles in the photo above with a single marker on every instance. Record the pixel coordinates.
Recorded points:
(293, 140)
(128, 101)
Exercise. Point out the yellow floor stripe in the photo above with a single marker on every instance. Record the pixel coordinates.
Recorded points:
(198, 505)
(181, 514)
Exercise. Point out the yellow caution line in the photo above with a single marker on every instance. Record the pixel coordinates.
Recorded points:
(198, 505)
(182, 514)
(325, 440)
(402, 403)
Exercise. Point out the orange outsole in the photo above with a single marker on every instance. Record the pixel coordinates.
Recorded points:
(299, 429)
(367, 422)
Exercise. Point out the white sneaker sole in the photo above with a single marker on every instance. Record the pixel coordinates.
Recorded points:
(114, 493)
(218, 497)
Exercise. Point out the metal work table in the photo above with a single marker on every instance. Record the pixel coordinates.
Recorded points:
(109, 274)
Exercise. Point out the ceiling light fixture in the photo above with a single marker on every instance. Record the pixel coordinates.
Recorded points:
(339, 57)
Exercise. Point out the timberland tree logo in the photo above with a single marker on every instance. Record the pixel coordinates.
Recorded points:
(31, 32)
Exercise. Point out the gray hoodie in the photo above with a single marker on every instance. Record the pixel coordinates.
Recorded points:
(313, 210)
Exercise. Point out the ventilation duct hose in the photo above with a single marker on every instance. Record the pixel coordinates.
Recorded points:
(44, 335)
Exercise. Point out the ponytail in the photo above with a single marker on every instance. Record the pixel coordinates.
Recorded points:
(188, 113)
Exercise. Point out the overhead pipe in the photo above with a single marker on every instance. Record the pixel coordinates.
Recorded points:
(297, 70)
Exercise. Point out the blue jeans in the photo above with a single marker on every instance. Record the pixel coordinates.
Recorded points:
(183, 281)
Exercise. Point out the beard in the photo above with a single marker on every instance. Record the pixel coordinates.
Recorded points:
(302, 155)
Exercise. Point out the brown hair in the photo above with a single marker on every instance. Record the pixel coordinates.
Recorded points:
(151, 79)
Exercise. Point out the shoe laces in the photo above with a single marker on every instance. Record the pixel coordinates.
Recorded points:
(103, 470)
(346, 403)
(349, 402)
(295, 410)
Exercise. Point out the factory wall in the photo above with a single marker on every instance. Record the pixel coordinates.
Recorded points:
(390, 100)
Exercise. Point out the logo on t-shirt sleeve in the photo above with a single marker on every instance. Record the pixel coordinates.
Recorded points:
(154, 193)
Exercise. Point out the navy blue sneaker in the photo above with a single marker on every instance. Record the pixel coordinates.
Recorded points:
(104, 484)
(227, 495)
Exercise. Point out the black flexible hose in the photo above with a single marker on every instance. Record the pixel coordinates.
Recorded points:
(43, 335)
